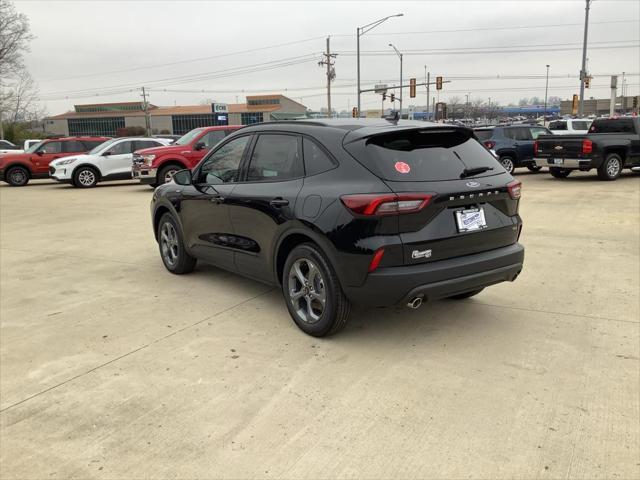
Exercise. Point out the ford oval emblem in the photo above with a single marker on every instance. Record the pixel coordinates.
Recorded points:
(472, 184)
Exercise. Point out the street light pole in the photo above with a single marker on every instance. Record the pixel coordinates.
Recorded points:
(359, 32)
(583, 70)
(546, 90)
(400, 56)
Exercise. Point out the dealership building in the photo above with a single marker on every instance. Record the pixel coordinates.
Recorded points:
(106, 118)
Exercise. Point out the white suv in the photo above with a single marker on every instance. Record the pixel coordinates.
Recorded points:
(110, 160)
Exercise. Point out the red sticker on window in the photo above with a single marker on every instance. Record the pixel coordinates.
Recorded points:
(402, 167)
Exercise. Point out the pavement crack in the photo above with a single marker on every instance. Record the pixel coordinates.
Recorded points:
(594, 317)
(135, 350)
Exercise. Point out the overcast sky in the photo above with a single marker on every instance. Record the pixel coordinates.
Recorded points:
(179, 48)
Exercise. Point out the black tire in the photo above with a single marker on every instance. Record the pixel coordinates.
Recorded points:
(508, 162)
(171, 245)
(462, 296)
(534, 168)
(611, 168)
(332, 312)
(17, 176)
(559, 172)
(166, 173)
(85, 177)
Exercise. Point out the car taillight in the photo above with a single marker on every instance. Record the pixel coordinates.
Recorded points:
(587, 146)
(489, 144)
(375, 261)
(515, 189)
(386, 204)
(535, 147)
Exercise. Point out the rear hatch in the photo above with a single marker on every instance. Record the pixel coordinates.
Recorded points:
(560, 146)
(471, 209)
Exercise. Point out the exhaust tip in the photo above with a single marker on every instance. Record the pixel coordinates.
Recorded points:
(415, 303)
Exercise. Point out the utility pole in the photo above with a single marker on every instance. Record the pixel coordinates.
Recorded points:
(583, 70)
(145, 107)
(331, 72)
(428, 96)
(546, 90)
(399, 56)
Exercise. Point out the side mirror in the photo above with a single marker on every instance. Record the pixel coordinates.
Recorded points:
(183, 177)
(39, 153)
(199, 146)
(107, 153)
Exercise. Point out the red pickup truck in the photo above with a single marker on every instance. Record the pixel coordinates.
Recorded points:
(18, 168)
(154, 166)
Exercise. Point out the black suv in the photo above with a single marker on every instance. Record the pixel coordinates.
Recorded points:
(346, 211)
(513, 144)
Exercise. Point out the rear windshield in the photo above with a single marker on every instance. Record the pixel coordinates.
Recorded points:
(423, 155)
(483, 134)
(616, 125)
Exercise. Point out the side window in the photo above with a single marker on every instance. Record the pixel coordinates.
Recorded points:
(73, 146)
(51, 147)
(212, 138)
(140, 144)
(536, 132)
(558, 125)
(275, 158)
(223, 165)
(315, 160)
(91, 144)
(122, 148)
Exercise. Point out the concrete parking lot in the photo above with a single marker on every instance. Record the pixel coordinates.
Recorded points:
(113, 368)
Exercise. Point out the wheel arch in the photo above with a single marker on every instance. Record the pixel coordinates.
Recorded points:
(182, 164)
(18, 164)
(90, 165)
(291, 239)
(619, 150)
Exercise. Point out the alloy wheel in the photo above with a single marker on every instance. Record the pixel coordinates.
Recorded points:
(307, 292)
(169, 175)
(613, 167)
(17, 176)
(86, 178)
(169, 243)
(507, 163)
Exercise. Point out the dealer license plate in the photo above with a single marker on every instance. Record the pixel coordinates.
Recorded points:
(470, 219)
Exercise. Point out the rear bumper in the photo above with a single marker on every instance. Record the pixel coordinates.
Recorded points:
(571, 163)
(396, 285)
(146, 176)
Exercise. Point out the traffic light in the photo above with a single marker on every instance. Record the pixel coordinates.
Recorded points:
(587, 82)
(393, 97)
(635, 102)
(354, 112)
(438, 83)
(384, 96)
(412, 88)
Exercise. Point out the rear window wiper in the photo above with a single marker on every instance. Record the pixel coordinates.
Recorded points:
(468, 172)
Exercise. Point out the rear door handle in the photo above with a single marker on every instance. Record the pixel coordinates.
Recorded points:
(279, 202)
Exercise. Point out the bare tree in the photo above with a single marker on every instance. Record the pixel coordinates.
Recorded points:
(452, 106)
(20, 102)
(15, 35)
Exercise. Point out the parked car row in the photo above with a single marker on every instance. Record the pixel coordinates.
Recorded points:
(85, 161)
